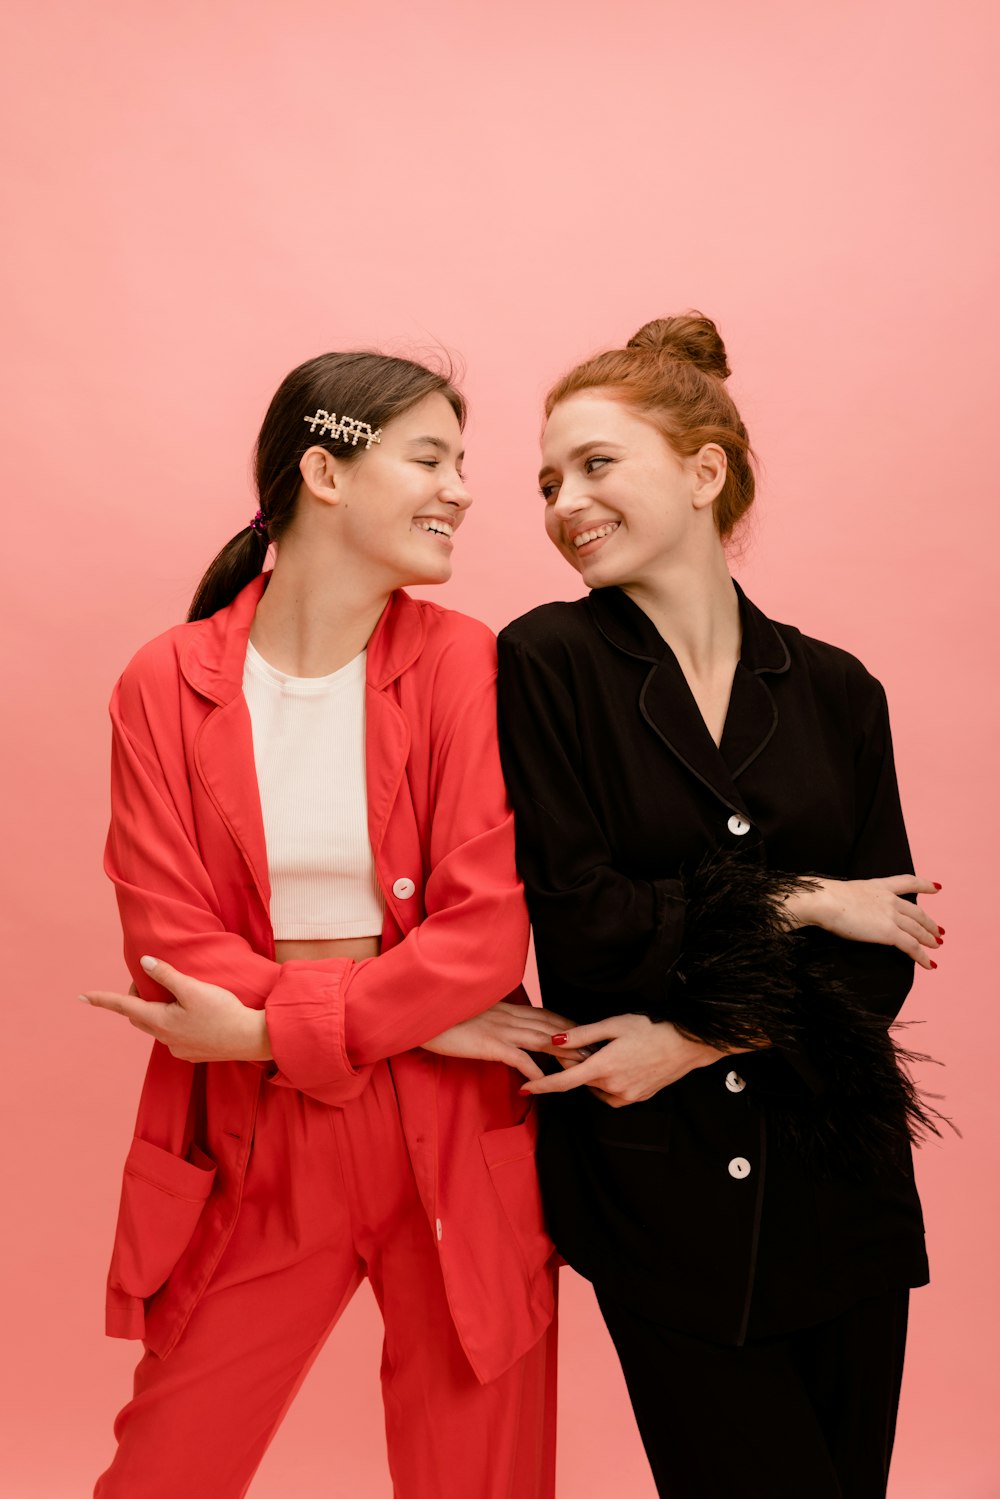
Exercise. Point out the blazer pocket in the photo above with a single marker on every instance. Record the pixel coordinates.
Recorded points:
(510, 1159)
(162, 1199)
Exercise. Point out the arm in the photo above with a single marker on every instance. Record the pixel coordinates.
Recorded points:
(877, 969)
(329, 1020)
(597, 926)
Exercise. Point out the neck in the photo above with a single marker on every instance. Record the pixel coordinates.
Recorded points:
(317, 613)
(695, 608)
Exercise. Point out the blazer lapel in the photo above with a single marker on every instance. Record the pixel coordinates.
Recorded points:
(212, 662)
(753, 714)
(667, 703)
(225, 762)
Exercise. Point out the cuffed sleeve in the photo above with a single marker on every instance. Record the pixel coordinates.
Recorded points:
(329, 1020)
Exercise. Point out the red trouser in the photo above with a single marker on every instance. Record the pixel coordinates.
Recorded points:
(329, 1198)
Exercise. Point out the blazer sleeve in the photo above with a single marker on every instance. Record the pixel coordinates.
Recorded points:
(597, 926)
(330, 1020)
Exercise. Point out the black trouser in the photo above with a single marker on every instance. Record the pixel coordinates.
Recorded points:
(808, 1416)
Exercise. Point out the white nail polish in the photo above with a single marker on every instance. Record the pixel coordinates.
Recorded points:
(83, 999)
(148, 964)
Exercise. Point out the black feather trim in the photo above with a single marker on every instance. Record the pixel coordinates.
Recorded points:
(743, 979)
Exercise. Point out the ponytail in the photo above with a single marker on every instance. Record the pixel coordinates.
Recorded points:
(236, 565)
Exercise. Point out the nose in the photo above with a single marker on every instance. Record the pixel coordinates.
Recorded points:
(455, 493)
(568, 503)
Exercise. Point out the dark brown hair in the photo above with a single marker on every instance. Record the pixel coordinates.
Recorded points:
(672, 372)
(372, 388)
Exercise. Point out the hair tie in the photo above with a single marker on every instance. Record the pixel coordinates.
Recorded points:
(259, 523)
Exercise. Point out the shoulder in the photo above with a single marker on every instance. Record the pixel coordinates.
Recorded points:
(454, 641)
(155, 667)
(830, 662)
(547, 631)
(836, 677)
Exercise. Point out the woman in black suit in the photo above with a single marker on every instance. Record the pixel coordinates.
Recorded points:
(731, 1166)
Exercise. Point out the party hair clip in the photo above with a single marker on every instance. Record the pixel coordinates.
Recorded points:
(343, 429)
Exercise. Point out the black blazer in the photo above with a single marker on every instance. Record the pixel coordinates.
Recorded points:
(742, 1200)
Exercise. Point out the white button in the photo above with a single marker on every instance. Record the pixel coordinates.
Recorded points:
(738, 826)
(440, 1231)
(739, 1167)
(734, 1082)
(403, 889)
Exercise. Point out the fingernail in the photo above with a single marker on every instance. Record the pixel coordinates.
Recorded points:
(933, 964)
(149, 964)
(940, 931)
(559, 1040)
(936, 885)
(940, 942)
(524, 1090)
(83, 999)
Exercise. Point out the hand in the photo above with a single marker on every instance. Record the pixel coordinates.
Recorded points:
(203, 1023)
(505, 1033)
(641, 1057)
(871, 911)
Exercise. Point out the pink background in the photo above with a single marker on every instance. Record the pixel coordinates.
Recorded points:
(201, 196)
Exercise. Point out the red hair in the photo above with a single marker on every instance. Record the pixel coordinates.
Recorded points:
(671, 372)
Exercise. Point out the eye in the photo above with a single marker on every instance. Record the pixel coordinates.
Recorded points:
(595, 459)
(429, 462)
(547, 492)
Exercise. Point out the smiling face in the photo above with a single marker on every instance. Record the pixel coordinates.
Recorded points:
(394, 511)
(618, 502)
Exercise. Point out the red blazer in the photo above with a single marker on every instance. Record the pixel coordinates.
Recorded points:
(187, 855)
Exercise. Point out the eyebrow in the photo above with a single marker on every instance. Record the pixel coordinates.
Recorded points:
(434, 442)
(578, 452)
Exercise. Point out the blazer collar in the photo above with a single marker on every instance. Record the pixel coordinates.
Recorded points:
(214, 652)
(630, 629)
(667, 704)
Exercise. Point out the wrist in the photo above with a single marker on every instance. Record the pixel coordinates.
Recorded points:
(806, 906)
(259, 1038)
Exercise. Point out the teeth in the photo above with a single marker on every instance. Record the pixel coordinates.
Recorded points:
(439, 527)
(585, 536)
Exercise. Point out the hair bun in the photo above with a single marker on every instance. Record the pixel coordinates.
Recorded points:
(690, 338)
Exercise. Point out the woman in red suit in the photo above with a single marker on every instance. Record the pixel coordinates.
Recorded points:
(308, 817)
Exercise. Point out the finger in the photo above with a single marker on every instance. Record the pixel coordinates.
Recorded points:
(914, 950)
(907, 911)
(552, 1020)
(107, 999)
(563, 1082)
(520, 1060)
(589, 1035)
(146, 1015)
(162, 973)
(928, 935)
(910, 884)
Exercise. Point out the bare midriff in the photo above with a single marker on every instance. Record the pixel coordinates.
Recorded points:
(329, 947)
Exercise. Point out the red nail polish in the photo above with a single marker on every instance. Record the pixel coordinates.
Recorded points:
(933, 965)
(524, 1089)
(940, 931)
(559, 1040)
(940, 942)
(936, 885)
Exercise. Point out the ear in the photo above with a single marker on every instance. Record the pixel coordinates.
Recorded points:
(709, 467)
(319, 470)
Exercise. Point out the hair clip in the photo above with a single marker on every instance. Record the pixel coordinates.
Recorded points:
(343, 429)
(259, 523)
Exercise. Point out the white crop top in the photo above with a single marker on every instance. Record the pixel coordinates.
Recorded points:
(309, 750)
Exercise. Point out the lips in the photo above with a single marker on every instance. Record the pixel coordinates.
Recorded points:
(595, 533)
(435, 525)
